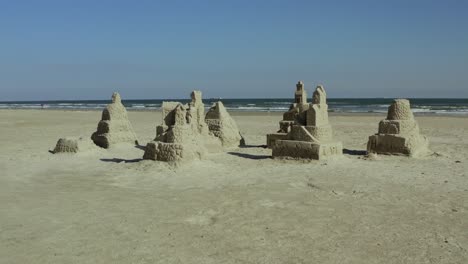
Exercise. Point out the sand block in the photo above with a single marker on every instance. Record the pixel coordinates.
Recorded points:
(399, 133)
(285, 125)
(72, 145)
(164, 151)
(272, 138)
(398, 145)
(114, 126)
(168, 114)
(306, 150)
(222, 126)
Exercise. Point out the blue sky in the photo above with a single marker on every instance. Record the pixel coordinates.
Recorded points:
(232, 49)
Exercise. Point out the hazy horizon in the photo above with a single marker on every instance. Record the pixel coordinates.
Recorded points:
(57, 50)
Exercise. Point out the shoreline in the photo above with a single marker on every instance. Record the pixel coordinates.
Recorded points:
(248, 113)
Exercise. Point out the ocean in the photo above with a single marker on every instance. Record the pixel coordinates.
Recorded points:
(355, 105)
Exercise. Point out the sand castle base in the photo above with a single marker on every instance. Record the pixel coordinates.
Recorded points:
(272, 138)
(306, 150)
(164, 151)
(398, 145)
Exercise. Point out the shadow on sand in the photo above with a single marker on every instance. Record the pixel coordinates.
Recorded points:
(253, 146)
(116, 160)
(355, 152)
(249, 156)
(140, 147)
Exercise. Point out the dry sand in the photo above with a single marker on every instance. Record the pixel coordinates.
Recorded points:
(108, 206)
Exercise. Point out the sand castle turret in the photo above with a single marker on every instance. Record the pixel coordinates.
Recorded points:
(312, 138)
(399, 133)
(295, 113)
(114, 126)
(184, 134)
(222, 126)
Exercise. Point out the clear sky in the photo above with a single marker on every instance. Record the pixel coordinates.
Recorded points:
(84, 49)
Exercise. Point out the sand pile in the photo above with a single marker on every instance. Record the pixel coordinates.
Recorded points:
(114, 126)
(222, 126)
(399, 133)
(73, 145)
(311, 134)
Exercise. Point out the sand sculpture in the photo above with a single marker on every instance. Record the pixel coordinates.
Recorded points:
(222, 126)
(295, 113)
(310, 137)
(399, 133)
(73, 145)
(185, 135)
(114, 126)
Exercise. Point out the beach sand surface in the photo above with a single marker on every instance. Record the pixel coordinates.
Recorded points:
(240, 206)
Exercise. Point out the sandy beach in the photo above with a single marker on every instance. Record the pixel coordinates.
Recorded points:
(241, 206)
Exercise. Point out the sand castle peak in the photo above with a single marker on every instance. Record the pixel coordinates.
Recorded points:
(222, 126)
(116, 98)
(319, 96)
(300, 96)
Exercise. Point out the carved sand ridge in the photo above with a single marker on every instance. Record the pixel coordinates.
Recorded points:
(310, 137)
(222, 126)
(399, 133)
(114, 126)
(185, 134)
(295, 113)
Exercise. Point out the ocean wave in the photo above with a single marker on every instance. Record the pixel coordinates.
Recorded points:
(419, 106)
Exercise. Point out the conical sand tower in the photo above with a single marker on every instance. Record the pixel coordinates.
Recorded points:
(222, 126)
(399, 133)
(114, 126)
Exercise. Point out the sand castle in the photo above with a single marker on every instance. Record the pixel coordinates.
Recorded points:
(114, 126)
(185, 135)
(222, 126)
(73, 145)
(399, 133)
(295, 113)
(310, 137)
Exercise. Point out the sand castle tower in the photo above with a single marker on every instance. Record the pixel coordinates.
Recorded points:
(312, 138)
(222, 126)
(184, 134)
(399, 133)
(295, 113)
(114, 126)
